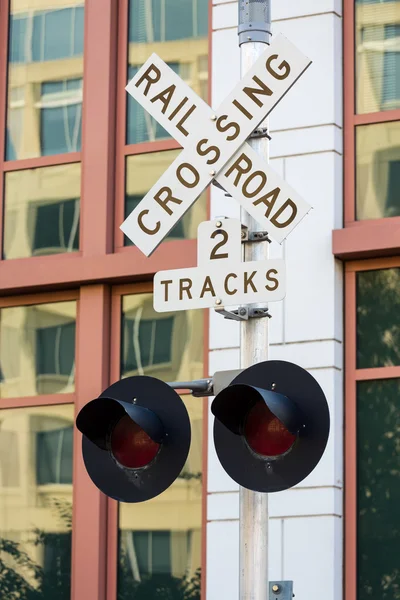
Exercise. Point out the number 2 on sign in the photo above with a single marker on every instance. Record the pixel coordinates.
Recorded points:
(224, 240)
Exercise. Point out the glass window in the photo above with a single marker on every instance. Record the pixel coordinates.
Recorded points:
(37, 349)
(377, 170)
(177, 31)
(36, 516)
(168, 346)
(41, 211)
(377, 55)
(378, 323)
(142, 172)
(378, 473)
(46, 118)
(160, 540)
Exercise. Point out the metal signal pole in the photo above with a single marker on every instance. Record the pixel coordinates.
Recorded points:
(254, 32)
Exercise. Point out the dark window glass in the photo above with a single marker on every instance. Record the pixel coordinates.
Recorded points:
(62, 231)
(55, 350)
(61, 117)
(18, 29)
(54, 456)
(147, 342)
(378, 322)
(378, 472)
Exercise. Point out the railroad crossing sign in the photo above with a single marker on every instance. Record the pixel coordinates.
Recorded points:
(221, 278)
(214, 146)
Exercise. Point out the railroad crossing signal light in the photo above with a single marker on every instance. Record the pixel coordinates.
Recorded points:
(271, 426)
(136, 438)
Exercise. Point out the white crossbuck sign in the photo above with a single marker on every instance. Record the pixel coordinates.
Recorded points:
(214, 146)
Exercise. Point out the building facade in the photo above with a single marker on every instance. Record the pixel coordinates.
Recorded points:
(77, 155)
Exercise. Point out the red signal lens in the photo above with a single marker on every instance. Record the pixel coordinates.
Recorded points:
(265, 434)
(131, 446)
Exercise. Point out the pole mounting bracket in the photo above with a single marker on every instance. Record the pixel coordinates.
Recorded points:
(254, 236)
(281, 590)
(260, 132)
(243, 313)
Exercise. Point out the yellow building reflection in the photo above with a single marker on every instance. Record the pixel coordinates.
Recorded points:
(37, 349)
(41, 214)
(160, 540)
(377, 55)
(45, 78)
(36, 501)
(378, 170)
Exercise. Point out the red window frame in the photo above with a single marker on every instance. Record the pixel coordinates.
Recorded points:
(376, 237)
(96, 276)
(366, 245)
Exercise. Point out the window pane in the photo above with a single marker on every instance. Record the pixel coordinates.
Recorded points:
(142, 172)
(378, 323)
(35, 530)
(378, 170)
(177, 31)
(378, 472)
(37, 353)
(45, 52)
(168, 346)
(41, 213)
(377, 55)
(160, 540)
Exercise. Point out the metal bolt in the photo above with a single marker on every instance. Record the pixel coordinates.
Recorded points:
(242, 311)
(218, 224)
(212, 173)
(276, 588)
(218, 302)
(213, 117)
(249, 37)
(243, 235)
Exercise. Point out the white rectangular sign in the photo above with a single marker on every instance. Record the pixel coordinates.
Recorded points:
(224, 284)
(210, 140)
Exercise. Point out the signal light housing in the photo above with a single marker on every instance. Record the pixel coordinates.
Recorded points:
(136, 438)
(271, 426)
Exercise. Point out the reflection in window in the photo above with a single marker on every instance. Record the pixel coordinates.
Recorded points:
(46, 34)
(167, 346)
(54, 456)
(37, 349)
(35, 532)
(177, 31)
(378, 55)
(44, 79)
(378, 475)
(142, 172)
(141, 125)
(378, 323)
(61, 116)
(42, 211)
(377, 170)
(141, 349)
(160, 540)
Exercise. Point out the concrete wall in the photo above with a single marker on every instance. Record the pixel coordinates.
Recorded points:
(306, 534)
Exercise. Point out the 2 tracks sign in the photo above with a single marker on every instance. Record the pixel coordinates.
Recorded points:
(214, 147)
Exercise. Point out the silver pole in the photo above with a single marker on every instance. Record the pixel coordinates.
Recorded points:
(254, 32)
